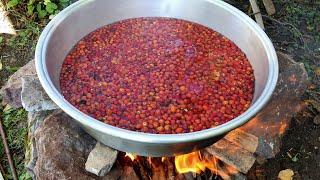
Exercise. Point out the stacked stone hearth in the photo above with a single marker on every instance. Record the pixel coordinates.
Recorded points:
(58, 148)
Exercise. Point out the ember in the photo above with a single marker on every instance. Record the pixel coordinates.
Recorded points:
(158, 75)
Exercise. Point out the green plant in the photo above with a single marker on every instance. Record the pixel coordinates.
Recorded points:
(14, 122)
(30, 32)
(40, 8)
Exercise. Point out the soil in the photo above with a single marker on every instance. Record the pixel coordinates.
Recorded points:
(295, 30)
(299, 152)
(11, 59)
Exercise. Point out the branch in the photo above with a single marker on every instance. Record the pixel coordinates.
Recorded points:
(6, 147)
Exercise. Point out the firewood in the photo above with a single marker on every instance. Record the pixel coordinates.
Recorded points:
(232, 154)
(128, 174)
(140, 166)
(170, 170)
(268, 4)
(188, 176)
(242, 139)
(257, 13)
(158, 172)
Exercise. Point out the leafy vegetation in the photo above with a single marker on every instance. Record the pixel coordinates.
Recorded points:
(29, 17)
(15, 123)
(40, 8)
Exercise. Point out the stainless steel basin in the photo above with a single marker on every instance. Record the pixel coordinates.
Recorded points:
(82, 17)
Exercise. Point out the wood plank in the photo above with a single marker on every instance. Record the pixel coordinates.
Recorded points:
(242, 139)
(268, 4)
(257, 13)
(232, 154)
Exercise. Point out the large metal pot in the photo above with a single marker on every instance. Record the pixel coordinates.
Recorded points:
(82, 17)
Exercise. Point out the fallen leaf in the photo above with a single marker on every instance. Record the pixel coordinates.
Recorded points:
(286, 174)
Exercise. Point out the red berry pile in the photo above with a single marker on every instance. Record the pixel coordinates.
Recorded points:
(158, 75)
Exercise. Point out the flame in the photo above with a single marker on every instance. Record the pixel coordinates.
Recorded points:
(282, 128)
(163, 159)
(193, 162)
(131, 156)
(189, 163)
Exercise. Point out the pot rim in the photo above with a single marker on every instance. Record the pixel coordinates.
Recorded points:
(81, 117)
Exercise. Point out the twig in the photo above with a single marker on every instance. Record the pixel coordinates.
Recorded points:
(256, 11)
(6, 147)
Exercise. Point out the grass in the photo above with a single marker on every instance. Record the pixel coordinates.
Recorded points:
(15, 123)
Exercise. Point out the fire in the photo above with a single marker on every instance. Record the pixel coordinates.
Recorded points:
(193, 162)
(190, 163)
(282, 128)
(131, 156)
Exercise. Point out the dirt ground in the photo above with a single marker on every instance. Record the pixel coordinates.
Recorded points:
(295, 30)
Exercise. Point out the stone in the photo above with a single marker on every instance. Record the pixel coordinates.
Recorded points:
(11, 91)
(270, 124)
(316, 120)
(6, 26)
(34, 121)
(101, 159)
(33, 96)
(286, 174)
(62, 148)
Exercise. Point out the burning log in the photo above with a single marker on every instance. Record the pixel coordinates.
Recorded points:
(189, 176)
(129, 174)
(242, 139)
(142, 167)
(232, 154)
(158, 171)
(170, 169)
